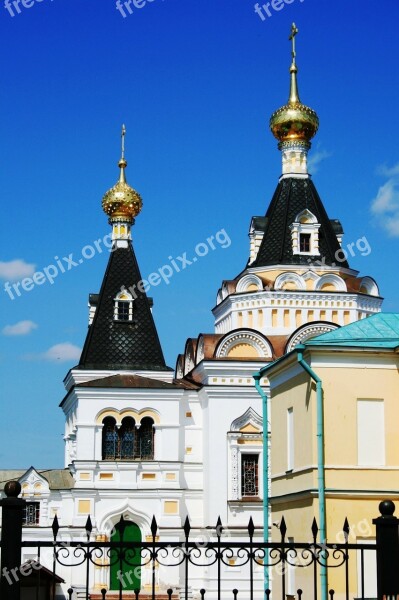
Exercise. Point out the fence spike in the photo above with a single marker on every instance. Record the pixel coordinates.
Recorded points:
(88, 526)
(70, 592)
(202, 592)
(235, 592)
(299, 592)
(346, 529)
(268, 592)
(169, 592)
(154, 526)
(136, 594)
(55, 526)
(251, 527)
(187, 527)
(219, 527)
(315, 528)
(103, 592)
(331, 593)
(283, 528)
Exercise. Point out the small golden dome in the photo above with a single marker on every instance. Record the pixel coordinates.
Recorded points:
(122, 202)
(294, 121)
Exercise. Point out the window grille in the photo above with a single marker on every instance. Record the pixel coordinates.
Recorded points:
(146, 436)
(123, 310)
(110, 439)
(126, 437)
(127, 442)
(31, 514)
(249, 475)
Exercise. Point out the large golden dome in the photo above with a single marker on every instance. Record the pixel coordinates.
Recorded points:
(122, 202)
(294, 122)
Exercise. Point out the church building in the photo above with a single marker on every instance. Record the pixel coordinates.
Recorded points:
(142, 439)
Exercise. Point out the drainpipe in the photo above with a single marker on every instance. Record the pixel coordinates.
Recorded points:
(320, 461)
(257, 378)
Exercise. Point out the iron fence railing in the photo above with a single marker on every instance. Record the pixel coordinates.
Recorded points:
(227, 564)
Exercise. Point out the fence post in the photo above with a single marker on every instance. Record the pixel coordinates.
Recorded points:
(387, 537)
(11, 541)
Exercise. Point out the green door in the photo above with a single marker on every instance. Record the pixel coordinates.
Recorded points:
(125, 570)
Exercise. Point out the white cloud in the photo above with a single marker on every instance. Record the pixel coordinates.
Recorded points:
(316, 158)
(385, 206)
(388, 171)
(63, 352)
(16, 269)
(20, 328)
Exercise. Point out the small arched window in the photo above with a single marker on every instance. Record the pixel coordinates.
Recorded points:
(126, 442)
(127, 438)
(123, 307)
(110, 439)
(146, 439)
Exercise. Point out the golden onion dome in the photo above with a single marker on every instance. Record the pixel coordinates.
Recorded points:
(122, 202)
(294, 121)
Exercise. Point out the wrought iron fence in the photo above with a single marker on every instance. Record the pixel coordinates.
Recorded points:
(222, 566)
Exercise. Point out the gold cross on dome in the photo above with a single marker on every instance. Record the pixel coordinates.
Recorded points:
(294, 32)
(123, 140)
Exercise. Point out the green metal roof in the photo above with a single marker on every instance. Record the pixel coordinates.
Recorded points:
(378, 331)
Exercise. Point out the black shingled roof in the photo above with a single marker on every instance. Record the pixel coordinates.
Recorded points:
(291, 197)
(122, 345)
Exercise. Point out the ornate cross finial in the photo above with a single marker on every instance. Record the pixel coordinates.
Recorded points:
(294, 32)
(123, 140)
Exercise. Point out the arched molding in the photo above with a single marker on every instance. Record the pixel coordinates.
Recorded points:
(200, 354)
(244, 336)
(305, 216)
(179, 372)
(250, 417)
(370, 286)
(128, 412)
(107, 521)
(189, 355)
(309, 331)
(124, 295)
(289, 277)
(247, 282)
(330, 278)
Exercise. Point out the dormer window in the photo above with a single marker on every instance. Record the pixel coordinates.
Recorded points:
(305, 234)
(123, 310)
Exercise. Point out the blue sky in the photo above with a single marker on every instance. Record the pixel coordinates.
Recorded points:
(195, 81)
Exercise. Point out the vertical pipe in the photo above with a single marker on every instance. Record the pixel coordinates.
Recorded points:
(257, 377)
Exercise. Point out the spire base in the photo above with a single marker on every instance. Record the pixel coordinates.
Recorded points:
(295, 157)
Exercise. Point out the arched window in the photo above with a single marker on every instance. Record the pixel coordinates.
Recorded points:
(110, 439)
(146, 439)
(127, 438)
(123, 308)
(126, 442)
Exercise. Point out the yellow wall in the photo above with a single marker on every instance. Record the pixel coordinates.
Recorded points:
(299, 394)
(351, 491)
